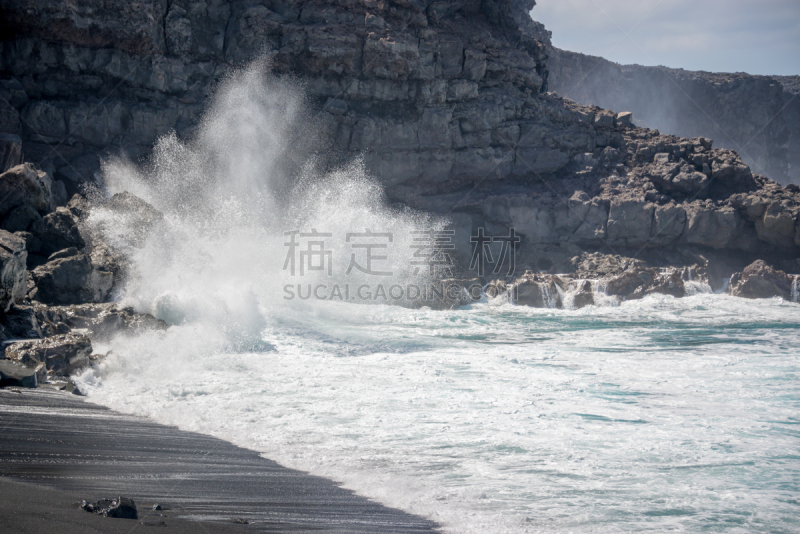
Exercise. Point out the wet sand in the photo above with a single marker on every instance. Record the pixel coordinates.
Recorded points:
(57, 448)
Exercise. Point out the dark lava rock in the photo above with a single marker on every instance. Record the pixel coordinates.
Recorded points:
(25, 185)
(100, 319)
(759, 280)
(14, 374)
(630, 281)
(13, 258)
(57, 231)
(121, 507)
(63, 279)
(584, 296)
(538, 290)
(21, 218)
(20, 322)
(10, 151)
(668, 284)
(62, 354)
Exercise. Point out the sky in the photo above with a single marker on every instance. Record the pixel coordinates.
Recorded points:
(754, 36)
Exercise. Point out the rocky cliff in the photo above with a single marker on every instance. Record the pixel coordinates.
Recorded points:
(758, 116)
(446, 101)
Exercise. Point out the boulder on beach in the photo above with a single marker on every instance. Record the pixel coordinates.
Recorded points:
(15, 374)
(62, 355)
(121, 507)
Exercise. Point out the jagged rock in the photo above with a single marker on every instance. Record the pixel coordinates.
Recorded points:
(584, 295)
(440, 98)
(670, 284)
(629, 222)
(21, 218)
(629, 281)
(79, 207)
(669, 223)
(25, 185)
(538, 291)
(57, 231)
(121, 507)
(14, 374)
(711, 226)
(759, 280)
(624, 119)
(101, 320)
(739, 104)
(62, 355)
(32, 243)
(13, 278)
(582, 220)
(10, 151)
(597, 265)
(21, 322)
(455, 292)
(777, 224)
(130, 204)
(63, 280)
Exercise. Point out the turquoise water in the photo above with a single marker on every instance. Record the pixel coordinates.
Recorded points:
(657, 415)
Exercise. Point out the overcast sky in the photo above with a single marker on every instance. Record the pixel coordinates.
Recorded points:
(755, 36)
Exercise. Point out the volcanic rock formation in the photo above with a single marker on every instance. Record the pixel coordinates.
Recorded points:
(758, 116)
(447, 103)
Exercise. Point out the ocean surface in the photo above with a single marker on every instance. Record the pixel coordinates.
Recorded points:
(655, 415)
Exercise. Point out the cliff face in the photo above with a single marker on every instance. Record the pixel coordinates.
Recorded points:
(411, 84)
(445, 100)
(755, 115)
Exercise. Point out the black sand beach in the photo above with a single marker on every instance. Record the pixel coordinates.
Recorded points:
(56, 449)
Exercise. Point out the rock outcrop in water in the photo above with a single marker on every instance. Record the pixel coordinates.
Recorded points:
(54, 278)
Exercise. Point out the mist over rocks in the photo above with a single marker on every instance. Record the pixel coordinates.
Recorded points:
(56, 273)
(758, 116)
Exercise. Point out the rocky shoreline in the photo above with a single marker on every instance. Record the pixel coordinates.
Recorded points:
(57, 278)
(446, 103)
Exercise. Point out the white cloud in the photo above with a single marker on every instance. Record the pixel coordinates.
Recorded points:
(760, 37)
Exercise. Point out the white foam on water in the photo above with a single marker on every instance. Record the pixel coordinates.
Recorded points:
(651, 415)
(659, 414)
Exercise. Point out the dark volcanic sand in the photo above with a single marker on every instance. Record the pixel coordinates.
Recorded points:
(89, 452)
